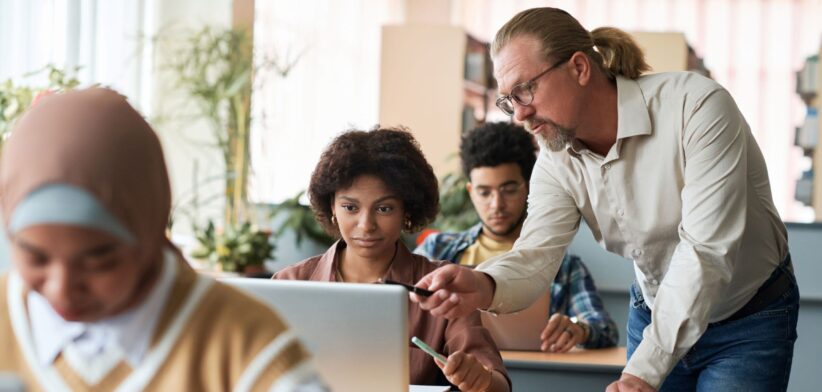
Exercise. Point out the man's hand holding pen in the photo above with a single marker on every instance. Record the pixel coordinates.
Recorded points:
(458, 291)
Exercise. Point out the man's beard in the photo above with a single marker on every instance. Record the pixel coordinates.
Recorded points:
(556, 138)
(503, 233)
(509, 230)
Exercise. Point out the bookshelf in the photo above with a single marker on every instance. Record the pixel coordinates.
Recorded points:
(436, 80)
(669, 51)
(808, 82)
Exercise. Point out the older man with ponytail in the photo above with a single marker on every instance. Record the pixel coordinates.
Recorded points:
(665, 171)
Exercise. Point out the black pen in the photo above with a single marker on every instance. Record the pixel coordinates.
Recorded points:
(414, 289)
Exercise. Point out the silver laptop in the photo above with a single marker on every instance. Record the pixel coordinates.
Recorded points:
(519, 331)
(11, 383)
(350, 329)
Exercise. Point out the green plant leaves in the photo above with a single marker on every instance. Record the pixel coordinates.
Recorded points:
(456, 210)
(234, 248)
(15, 100)
(300, 220)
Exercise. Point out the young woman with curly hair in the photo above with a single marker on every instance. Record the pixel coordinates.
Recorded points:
(368, 187)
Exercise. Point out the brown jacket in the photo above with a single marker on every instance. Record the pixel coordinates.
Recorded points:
(446, 336)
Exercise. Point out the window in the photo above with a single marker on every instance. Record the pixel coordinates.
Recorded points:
(104, 38)
(333, 87)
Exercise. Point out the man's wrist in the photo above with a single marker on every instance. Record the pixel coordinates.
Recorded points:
(636, 381)
(487, 288)
(586, 329)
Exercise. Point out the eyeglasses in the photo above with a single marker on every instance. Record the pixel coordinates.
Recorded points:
(507, 192)
(522, 93)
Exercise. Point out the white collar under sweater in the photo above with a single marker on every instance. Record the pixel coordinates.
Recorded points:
(125, 336)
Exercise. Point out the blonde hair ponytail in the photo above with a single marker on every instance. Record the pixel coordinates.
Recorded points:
(613, 51)
(620, 53)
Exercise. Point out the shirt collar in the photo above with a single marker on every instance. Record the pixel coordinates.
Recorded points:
(633, 118)
(474, 231)
(129, 332)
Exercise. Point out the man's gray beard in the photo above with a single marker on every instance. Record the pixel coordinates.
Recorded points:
(561, 138)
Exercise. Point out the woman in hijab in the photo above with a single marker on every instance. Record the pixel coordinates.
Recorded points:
(98, 298)
(367, 188)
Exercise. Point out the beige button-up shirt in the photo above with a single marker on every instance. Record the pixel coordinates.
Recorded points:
(683, 192)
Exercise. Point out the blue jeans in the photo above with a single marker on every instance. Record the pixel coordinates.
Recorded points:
(753, 353)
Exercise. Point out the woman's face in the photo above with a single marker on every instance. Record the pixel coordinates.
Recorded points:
(370, 217)
(85, 274)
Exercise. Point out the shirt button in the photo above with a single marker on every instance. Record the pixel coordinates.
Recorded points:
(637, 252)
(621, 212)
(607, 166)
(653, 282)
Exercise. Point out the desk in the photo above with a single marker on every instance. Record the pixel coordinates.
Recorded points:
(576, 370)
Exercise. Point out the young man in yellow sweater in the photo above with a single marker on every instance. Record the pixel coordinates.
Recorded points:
(497, 159)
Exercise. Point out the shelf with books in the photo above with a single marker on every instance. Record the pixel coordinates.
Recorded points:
(436, 80)
(669, 51)
(809, 185)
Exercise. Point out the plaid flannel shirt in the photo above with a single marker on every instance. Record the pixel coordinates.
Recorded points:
(573, 292)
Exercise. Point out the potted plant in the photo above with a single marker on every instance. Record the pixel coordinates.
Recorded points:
(214, 68)
(241, 249)
(15, 99)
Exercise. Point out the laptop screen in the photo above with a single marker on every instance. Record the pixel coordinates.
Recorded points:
(520, 330)
(11, 383)
(356, 333)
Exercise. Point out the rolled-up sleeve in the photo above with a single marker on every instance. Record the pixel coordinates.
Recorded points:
(713, 221)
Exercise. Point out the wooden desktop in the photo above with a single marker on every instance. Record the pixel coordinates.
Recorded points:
(576, 370)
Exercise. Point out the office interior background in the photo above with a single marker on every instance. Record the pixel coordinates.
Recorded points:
(321, 67)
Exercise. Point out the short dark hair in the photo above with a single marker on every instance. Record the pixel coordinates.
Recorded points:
(497, 143)
(390, 154)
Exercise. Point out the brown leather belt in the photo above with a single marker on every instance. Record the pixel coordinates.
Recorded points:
(767, 293)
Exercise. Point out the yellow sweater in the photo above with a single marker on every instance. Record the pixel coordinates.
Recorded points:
(483, 249)
(210, 337)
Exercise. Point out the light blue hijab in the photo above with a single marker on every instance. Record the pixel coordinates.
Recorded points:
(66, 205)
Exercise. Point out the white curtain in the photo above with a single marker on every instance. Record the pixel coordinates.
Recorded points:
(105, 39)
(333, 86)
(752, 47)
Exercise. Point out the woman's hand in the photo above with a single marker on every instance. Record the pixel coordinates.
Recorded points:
(466, 372)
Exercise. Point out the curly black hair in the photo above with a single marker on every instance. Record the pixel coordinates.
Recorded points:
(390, 154)
(493, 144)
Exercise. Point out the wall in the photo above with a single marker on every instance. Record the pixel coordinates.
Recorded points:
(421, 87)
(664, 52)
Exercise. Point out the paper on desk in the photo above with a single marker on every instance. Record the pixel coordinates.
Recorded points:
(428, 388)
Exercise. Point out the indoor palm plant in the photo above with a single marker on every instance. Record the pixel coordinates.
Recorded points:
(214, 68)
